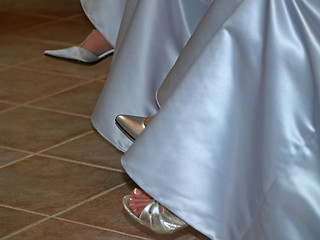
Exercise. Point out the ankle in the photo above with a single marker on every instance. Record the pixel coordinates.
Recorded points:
(96, 43)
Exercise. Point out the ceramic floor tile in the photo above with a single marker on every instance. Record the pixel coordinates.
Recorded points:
(103, 78)
(11, 22)
(94, 150)
(107, 212)
(55, 32)
(2, 67)
(71, 68)
(34, 130)
(44, 183)
(47, 186)
(16, 50)
(4, 106)
(59, 230)
(20, 86)
(7, 156)
(79, 18)
(79, 100)
(42, 7)
(12, 220)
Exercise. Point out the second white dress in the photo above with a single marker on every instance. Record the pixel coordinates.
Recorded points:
(151, 37)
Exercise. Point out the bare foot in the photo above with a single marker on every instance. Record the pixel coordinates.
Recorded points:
(139, 200)
(96, 43)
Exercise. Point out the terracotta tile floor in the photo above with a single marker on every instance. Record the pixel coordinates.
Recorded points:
(59, 179)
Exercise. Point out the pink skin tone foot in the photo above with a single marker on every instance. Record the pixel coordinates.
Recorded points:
(139, 200)
(96, 43)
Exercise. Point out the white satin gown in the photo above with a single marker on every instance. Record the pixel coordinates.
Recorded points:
(235, 149)
(149, 41)
(106, 16)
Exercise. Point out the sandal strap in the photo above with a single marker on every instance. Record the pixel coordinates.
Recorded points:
(160, 222)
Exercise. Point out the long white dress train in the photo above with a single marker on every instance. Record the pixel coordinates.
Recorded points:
(234, 150)
(151, 37)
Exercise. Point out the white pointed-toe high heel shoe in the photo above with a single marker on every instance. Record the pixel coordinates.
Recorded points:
(155, 217)
(78, 54)
(131, 126)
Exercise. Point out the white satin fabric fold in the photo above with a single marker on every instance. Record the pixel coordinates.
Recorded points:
(106, 16)
(234, 150)
(151, 37)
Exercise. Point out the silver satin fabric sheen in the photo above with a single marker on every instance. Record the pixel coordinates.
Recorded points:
(234, 150)
(149, 41)
(106, 16)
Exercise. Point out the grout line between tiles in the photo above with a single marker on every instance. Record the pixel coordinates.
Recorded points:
(25, 228)
(54, 216)
(66, 141)
(27, 104)
(45, 109)
(14, 149)
(31, 60)
(57, 111)
(88, 200)
(101, 228)
(25, 62)
(55, 42)
(46, 41)
(46, 149)
(69, 208)
(8, 102)
(60, 91)
(50, 21)
(81, 163)
(72, 17)
(20, 66)
(23, 210)
(9, 109)
(29, 154)
(40, 153)
(17, 160)
(54, 21)
(101, 81)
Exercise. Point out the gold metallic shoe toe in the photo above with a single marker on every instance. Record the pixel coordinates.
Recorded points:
(131, 126)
